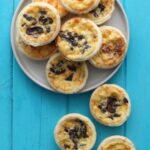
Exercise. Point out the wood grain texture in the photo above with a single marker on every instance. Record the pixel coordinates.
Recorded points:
(6, 12)
(28, 113)
(138, 74)
(34, 111)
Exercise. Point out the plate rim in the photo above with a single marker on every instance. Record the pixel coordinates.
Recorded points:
(49, 88)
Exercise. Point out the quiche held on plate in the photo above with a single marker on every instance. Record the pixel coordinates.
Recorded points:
(79, 39)
(66, 76)
(62, 11)
(36, 53)
(79, 6)
(38, 24)
(102, 12)
(113, 49)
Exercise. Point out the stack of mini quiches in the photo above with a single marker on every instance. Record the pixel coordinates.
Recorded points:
(69, 34)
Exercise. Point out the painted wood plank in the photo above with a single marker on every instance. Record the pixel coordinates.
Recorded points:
(80, 104)
(26, 110)
(5, 75)
(35, 113)
(54, 106)
(138, 78)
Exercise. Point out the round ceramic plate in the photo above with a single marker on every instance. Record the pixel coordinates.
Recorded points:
(35, 70)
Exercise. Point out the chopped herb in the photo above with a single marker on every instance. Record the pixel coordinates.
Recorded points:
(69, 78)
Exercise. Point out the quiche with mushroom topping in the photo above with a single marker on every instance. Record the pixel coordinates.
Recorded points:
(113, 49)
(75, 132)
(36, 53)
(79, 39)
(116, 143)
(38, 24)
(66, 76)
(110, 105)
(79, 6)
(62, 11)
(102, 12)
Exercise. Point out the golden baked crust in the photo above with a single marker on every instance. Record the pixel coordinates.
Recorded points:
(79, 39)
(66, 76)
(113, 49)
(38, 24)
(102, 12)
(36, 53)
(75, 131)
(116, 143)
(62, 11)
(110, 105)
(79, 6)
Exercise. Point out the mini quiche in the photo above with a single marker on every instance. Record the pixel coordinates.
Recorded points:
(110, 105)
(79, 39)
(38, 24)
(116, 143)
(75, 132)
(113, 49)
(66, 76)
(62, 11)
(36, 53)
(102, 12)
(79, 6)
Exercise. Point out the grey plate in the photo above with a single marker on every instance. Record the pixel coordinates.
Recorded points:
(35, 70)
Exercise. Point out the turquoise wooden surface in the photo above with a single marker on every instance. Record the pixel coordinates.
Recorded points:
(28, 113)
